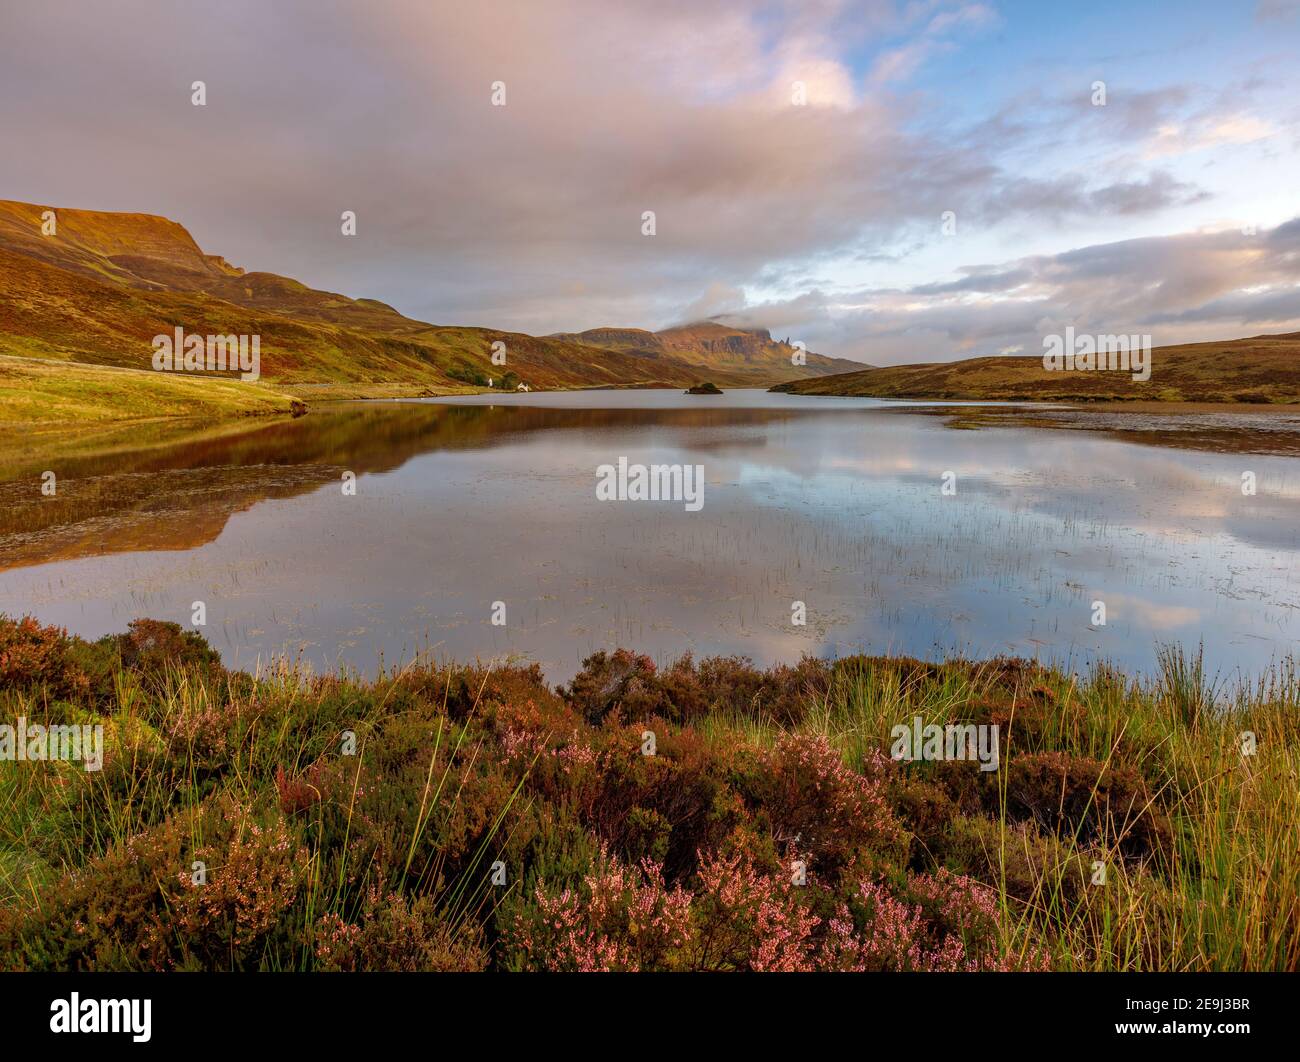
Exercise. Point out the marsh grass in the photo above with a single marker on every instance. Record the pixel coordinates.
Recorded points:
(1226, 895)
(383, 859)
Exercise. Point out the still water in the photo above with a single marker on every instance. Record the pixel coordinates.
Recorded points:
(837, 503)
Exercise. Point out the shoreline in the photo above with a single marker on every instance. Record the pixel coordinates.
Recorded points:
(1244, 427)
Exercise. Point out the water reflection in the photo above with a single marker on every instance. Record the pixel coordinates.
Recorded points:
(834, 503)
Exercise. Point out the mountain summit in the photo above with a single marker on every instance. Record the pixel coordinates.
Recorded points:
(713, 345)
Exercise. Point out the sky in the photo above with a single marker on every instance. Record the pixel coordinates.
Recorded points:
(884, 181)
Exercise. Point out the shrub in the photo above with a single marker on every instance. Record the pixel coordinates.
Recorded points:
(398, 934)
(748, 917)
(254, 878)
(33, 656)
(138, 907)
(813, 804)
(152, 647)
(687, 691)
(1086, 801)
(1031, 866)
(876, 930)
(608, 679)
(619, 918)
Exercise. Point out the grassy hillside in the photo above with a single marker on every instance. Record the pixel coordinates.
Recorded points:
(354, 825)
(36, 394)
(104, 284)
(48, 312)
(106, 246)
(1260, 370)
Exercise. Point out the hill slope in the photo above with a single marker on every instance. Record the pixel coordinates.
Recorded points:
(1261, 369)
(37, 394)
(99, 288)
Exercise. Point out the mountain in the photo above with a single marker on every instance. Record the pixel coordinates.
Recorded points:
(712, 346)
(1261, 369)
(103, 284)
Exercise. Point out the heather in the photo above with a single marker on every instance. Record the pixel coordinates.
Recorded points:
(706, 815)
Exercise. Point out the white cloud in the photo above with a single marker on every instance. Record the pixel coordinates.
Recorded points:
(1181, 288)
(528, 216)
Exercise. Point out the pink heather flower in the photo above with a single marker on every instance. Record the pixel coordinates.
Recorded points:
(623, 918)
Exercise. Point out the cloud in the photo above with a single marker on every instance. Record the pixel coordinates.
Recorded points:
(529, 215)
(718, 300)
(1182, 288)
(1209, 131)
(902, 62)
(1277, 10)
(1072, 195)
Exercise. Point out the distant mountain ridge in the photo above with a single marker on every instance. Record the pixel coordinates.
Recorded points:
(711, 343)
(99, 288)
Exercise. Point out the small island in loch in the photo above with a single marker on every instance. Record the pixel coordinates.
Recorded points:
(704, 389)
